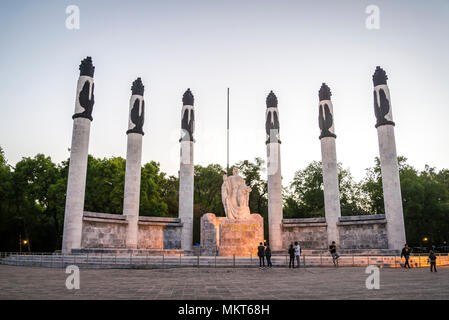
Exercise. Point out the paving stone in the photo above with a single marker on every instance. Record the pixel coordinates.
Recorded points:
(18, 282)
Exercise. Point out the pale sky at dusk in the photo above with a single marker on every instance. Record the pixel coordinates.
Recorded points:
(290, 47)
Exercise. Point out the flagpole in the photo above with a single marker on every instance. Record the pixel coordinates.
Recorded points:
(227, 163)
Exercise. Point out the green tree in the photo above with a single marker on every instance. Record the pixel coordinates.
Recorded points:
(207, 195)
(425, 201)
(36, 209)
(151, 192)
(9, 227)
(207, 188)
(169, 194)
(105, 183)
(305, 198)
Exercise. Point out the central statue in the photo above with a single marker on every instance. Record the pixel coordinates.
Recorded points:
(235, 196)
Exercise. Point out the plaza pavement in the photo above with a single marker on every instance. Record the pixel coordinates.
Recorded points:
(18, 282)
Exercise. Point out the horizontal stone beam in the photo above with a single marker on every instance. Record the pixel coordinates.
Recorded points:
(304, 225)
(154, 223)
(304, 220)
(346, 223)
(364, 217)
(105, 220)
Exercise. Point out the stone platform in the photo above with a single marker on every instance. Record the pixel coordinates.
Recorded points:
(228, 237)
(122, 261)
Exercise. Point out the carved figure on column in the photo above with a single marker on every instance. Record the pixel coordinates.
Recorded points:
(85, 103)
(188, 117)
(272, 119)
(382, 106)
(137, 113)
(325, 117)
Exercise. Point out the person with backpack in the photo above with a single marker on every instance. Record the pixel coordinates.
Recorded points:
(433, 261)
(291, 252)
(298, 251)
(261, 254)
(268, 256)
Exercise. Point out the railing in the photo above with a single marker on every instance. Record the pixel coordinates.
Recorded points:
(103, 261)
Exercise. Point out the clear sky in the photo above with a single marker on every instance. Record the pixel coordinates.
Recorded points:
(290, 47)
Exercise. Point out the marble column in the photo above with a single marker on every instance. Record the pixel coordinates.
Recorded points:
(76, 183)
(273, 143)
(134, 163)
(329, 163)
(389, 161)
(186, 170)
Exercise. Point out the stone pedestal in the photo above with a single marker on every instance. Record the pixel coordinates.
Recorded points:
(274, 195)
(331, 189)
(329, 162)
(391, 187)
(76, 185)
(228, 237)
(186, 194)
(131, 198)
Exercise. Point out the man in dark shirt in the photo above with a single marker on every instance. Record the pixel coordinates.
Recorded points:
(261, 254)
(433, 261)
(334, 254)
(406, 254)
(291, 253)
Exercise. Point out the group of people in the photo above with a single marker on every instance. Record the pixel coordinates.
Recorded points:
(295, 254)
(264, 252)
(295, 250)
(432, 258)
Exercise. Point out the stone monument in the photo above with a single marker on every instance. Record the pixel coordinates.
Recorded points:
(273, 143)
(240, 232)
(134, 162)
(186, 170)
(388, 161)
(329, 162)
(76, 183)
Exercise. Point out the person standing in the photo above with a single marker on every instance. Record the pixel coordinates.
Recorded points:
(291, 252)
(334, 254)
(261, 254)
(433, 261)
(268, 256)
(297, 253)
(406, 254)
